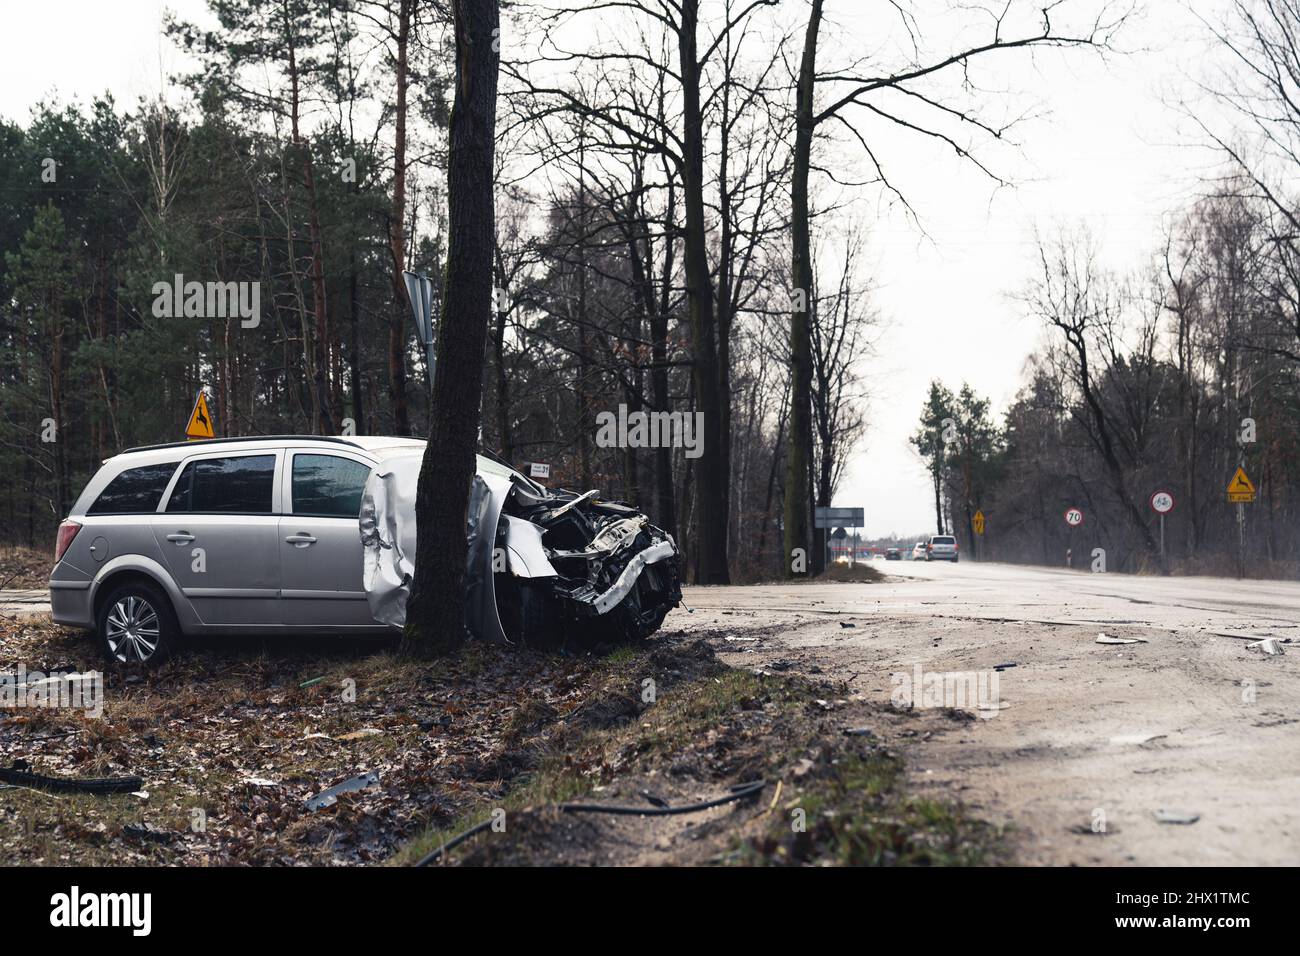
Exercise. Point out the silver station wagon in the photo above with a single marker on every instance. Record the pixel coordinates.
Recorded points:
(265, 535)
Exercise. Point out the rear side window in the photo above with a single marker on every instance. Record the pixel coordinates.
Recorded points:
(328, 486)
(225, 486)
(135, 491)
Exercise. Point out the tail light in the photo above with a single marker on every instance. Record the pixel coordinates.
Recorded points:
(67, 531)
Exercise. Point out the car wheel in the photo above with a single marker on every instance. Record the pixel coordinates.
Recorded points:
(527, 613)
(137, 626)
(954, 559)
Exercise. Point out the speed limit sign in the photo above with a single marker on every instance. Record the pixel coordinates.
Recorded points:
(1162, 502)
(1074, 517)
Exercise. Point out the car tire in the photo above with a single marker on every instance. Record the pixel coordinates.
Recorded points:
(136, 626)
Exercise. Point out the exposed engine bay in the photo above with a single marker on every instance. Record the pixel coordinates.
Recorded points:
(545, 568)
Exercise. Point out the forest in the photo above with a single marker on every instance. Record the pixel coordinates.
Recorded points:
(683, 192)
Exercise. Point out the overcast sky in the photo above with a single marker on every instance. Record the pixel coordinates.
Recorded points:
(1109, 153)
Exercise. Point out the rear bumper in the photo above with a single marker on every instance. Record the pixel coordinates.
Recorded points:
(70, 603)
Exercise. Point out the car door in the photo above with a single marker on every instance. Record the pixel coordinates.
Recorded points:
(218, 531)
(320, 540)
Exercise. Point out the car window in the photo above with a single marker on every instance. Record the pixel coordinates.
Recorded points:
(943, 539)
(134, 491)
(328, 486)
(240, 485)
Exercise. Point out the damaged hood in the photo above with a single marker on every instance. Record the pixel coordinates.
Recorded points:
(542, 566)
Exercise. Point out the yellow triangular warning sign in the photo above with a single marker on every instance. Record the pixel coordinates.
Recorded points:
(1240, 487)
(200, 425)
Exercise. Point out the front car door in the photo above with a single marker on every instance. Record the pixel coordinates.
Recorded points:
(218, 532)
(320, 540)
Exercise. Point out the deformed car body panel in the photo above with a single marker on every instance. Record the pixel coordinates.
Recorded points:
(542, 565)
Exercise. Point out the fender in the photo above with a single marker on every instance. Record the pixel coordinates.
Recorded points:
(185, 615)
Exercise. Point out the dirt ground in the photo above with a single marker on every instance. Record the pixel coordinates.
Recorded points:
(1092, 742)
(23, 568)
(233, 737)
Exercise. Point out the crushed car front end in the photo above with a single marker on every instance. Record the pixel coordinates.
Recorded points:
(545, 568)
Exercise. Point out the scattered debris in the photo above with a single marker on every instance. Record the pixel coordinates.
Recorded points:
(1270, 646)
(310, 683)
(147, 831)
(1002, 667)
(260, 782)
(1136, 739)
(1087, 829)
(327, 798)
(847, 624)
(859, 732)
(1108, 639)
(653, 798)
(359, 734)
(1181, 817)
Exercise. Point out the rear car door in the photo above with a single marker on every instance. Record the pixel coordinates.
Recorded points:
(320, 539)
(218, 534)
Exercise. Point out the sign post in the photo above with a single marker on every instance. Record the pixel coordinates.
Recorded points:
(1073, 518)
(200, 424)
(1162, 502)
(1241, 491)
(825, 517)
(419, 291)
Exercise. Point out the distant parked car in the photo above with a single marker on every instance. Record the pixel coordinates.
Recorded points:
(918, 551)
(941, 547)
(893, 554)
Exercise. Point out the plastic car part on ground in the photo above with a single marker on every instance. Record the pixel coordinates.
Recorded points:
(544, 566)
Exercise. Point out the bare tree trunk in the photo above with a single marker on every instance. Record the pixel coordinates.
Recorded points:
(396, 234)
(799, 452)
(435, 617)
(711, 484)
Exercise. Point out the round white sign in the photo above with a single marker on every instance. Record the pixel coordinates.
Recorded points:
(1073, 517)
(1162, 502)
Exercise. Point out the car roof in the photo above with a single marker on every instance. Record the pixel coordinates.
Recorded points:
(360, 441)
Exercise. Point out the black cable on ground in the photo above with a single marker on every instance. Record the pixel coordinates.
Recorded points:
(738, 792)
(39, 781)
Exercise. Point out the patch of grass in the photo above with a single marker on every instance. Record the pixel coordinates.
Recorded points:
(857, 814)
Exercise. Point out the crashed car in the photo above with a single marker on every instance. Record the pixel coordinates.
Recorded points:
(260, 535)
(545, 568)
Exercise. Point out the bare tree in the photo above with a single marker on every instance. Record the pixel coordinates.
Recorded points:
(435, 619)
(909, 97)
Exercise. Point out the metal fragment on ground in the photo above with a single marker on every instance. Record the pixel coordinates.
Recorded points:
(1270, 646)
(327, 798)
(1108, 639)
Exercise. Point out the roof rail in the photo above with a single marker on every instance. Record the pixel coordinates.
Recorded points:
(244, 438)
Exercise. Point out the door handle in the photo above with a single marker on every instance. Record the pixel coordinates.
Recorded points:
(181, 537)
(301, 540)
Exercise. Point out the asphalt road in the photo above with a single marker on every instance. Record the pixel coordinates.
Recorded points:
(1092, 749)
(1006, 592)
(20, 603)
